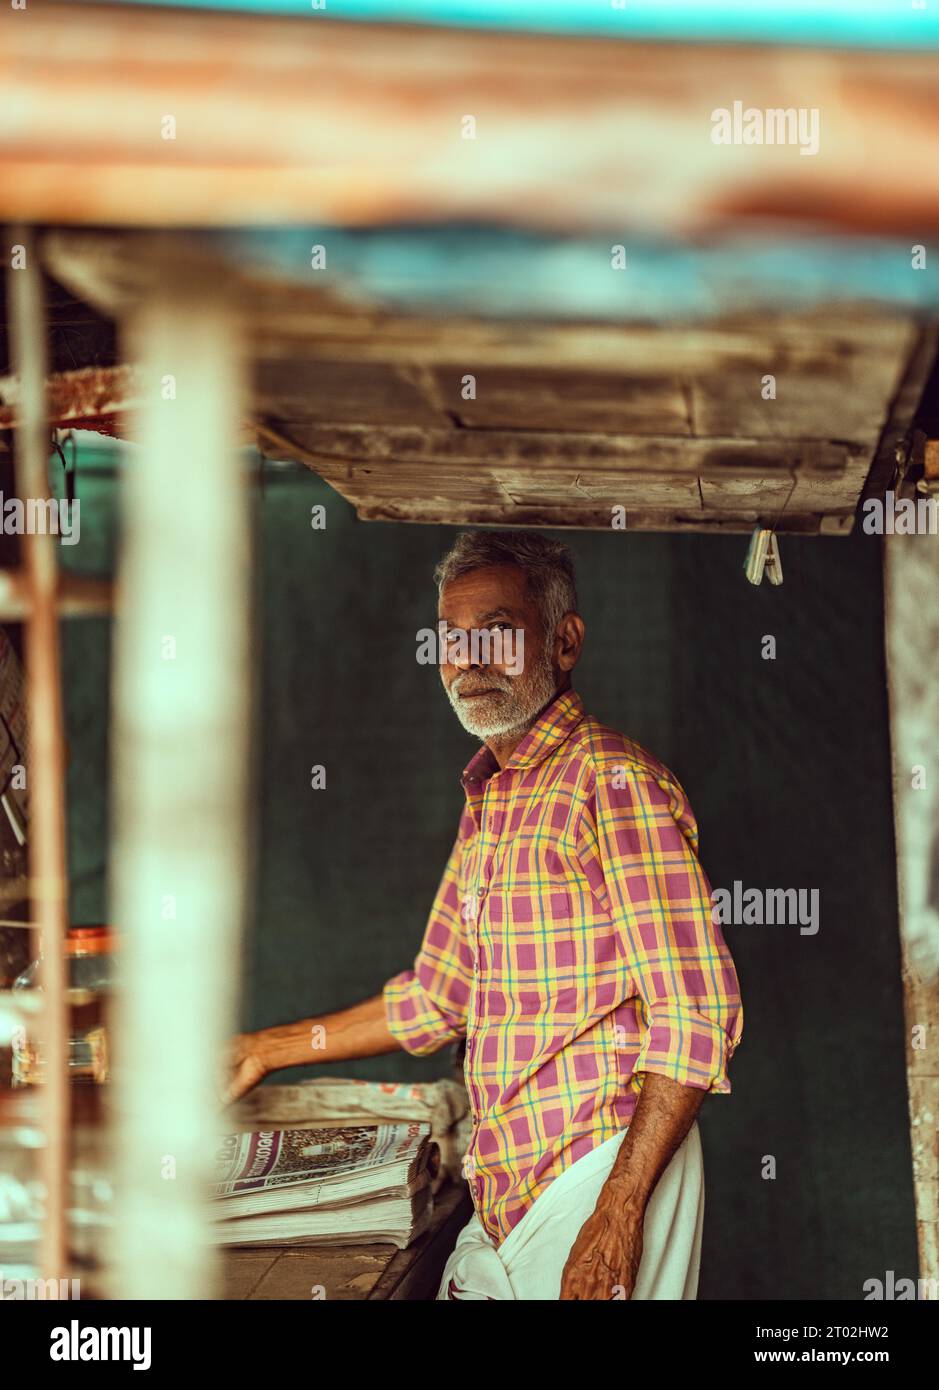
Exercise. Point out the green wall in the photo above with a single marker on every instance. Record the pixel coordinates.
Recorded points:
(786, 763)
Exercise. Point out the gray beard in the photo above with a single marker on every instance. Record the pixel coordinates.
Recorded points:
(513, 709)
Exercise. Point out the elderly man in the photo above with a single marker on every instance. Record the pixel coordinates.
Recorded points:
(572, 945)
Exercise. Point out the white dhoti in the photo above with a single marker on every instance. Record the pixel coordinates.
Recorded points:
(530, 1261)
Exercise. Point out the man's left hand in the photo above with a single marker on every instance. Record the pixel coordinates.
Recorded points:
(604, 1259)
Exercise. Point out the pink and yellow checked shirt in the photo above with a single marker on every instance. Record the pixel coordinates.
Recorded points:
(571, 943)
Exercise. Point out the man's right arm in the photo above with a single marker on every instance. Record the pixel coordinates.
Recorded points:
(419, 1010)
(359, 1031)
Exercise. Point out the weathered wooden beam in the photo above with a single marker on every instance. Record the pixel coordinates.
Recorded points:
(76, 397)
(912, 642)
(526, 478)
(301, 120)
(76, 596)
(590, 413)
(47, 849)
(894, 448)
(181, 720)
(772, 496)
(847, 400)
(585, 517)
(596, 402)
(293, 321)
(397, 449)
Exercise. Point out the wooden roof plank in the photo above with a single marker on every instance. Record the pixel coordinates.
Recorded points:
(364, 123)
(401, 448)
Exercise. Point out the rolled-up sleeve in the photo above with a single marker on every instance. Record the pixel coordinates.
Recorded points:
(660, 901)
(426, 1007)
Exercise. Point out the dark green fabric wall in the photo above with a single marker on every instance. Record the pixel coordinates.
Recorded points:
(786, 763)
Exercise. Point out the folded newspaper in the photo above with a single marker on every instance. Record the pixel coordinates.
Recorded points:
(340, 1185)
(335, 1100)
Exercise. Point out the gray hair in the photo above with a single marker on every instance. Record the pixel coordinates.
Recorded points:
(547, 564)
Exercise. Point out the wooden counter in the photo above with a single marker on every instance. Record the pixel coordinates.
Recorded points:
(352, 1271)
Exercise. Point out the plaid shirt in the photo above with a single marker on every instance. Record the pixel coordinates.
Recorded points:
(571, 943)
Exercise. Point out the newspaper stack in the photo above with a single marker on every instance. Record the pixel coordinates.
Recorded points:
(337, 1185)
(339, 1100)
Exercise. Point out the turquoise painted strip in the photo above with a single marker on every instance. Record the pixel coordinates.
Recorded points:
(508, 273)
(863, 23)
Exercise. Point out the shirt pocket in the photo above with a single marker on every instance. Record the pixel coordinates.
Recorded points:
(538, 953)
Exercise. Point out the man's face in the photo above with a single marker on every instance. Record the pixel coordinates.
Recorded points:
(489, 692)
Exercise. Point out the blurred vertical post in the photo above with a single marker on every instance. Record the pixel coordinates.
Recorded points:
(181, 698)
(47, 859)
(912, 640)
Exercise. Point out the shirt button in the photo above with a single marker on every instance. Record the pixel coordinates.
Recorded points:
(480, 892)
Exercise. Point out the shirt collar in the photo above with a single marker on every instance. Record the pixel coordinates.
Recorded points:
(555, 723)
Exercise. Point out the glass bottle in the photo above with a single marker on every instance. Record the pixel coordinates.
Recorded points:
(89, 953)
